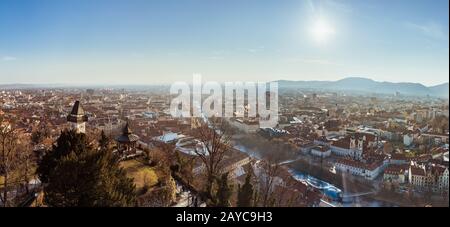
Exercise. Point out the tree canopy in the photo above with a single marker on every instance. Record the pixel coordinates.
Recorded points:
(76, 174)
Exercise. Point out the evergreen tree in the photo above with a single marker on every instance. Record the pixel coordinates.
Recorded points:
(224, 192)
(75, 174)
(37, 137)
(104, 141)
(245, 193)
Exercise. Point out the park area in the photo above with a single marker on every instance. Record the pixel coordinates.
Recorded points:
(142, 174)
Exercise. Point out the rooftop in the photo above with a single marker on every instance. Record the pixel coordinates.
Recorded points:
(127, 135)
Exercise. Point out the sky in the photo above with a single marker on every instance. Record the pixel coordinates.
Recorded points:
(163, 41)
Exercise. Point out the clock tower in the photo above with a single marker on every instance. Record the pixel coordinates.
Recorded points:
(77, 119)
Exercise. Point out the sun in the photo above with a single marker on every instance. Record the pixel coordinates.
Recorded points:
(322, 31)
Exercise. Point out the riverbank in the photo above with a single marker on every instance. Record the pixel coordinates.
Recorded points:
(348, 184)
(353, 191)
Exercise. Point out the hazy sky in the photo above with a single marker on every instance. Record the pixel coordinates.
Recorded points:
(149, 41)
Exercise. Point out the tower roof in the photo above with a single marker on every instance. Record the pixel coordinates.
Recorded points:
(127, 135)
(77, 114)
(77, 109)
(126, 130)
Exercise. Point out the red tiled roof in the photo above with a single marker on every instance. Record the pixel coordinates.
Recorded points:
(398, 156)
(342, 143)
(437, 170)
(417, 171)
(393, 169)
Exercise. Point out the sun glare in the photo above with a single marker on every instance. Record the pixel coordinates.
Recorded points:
(322, 31)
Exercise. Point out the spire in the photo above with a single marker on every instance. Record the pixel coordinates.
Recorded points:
(127, 130)
(77, 109)
(127, 135)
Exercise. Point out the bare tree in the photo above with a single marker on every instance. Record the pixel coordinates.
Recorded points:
(8, 157)
(26, 163)
(184, 166)
(270, 171)
(215, 139)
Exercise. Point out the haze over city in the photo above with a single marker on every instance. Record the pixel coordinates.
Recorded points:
(155, 42)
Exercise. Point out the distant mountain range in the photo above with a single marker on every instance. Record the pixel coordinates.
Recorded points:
(29, 86)
(359, 84)
(356, 84)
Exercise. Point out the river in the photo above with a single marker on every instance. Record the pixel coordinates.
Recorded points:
(330, 190)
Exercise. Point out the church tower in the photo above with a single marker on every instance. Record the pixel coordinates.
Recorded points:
(352, 142)
(77, 119)
(360, 144)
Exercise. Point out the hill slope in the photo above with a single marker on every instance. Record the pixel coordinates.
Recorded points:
(367, 85)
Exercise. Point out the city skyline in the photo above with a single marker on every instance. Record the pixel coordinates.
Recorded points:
(115, 42)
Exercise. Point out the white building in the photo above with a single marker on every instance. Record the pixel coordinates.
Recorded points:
(443, 181)
(321, 151)
(245, 126)
(395, 174)
(417, 177)
(434, 178)
(353, 146)
(357, 168)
